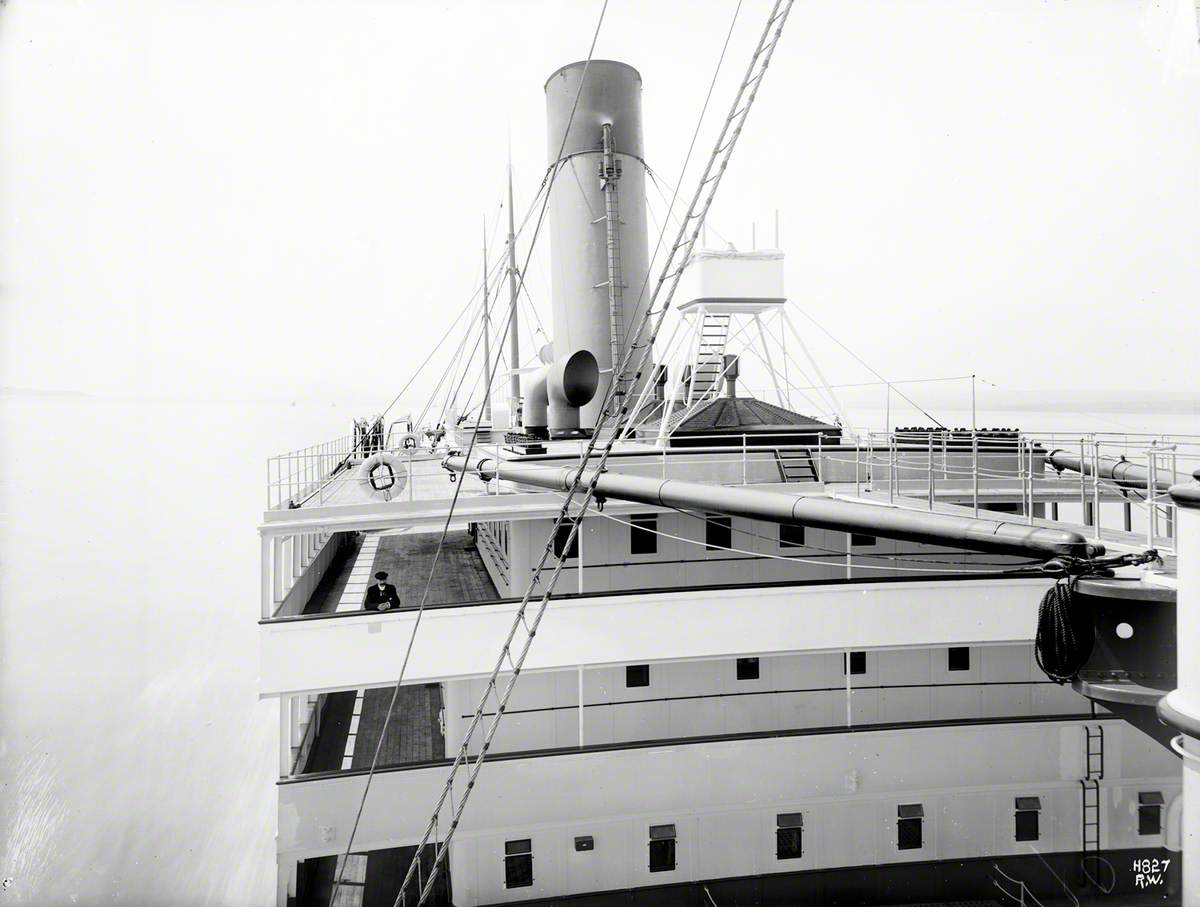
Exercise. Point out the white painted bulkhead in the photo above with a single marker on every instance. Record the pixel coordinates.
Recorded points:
(724, 796)
(792, 692)
(354, 651)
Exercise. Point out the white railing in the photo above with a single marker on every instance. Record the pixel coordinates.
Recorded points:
(913, 467)
(296, 475)
(938, 464)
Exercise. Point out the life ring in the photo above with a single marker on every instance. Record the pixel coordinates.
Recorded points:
(382, 477)
(410, 441)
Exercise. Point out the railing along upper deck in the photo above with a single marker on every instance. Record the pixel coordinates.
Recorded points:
(976, 468)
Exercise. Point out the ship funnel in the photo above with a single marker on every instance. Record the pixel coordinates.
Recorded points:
(598, 248)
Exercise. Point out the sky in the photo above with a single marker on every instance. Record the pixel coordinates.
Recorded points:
(246, 198)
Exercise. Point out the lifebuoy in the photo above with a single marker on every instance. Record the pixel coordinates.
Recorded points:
(410, 441)
(382, 477)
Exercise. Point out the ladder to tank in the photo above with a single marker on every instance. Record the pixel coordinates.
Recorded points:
(1089, 788)
(710, 355)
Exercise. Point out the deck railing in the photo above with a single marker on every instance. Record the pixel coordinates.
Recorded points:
(912, 467)
(993, 466)
(294, 476)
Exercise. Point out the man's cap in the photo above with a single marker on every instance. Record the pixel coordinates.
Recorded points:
(382, 574)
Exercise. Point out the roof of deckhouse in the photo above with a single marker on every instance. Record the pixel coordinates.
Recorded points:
(739, 415)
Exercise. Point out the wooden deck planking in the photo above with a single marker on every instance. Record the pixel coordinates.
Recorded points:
(414, 733)
(460, 575)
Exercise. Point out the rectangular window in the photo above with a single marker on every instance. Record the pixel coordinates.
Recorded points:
(1150, 805)
(791, 536)
(718, 532)
(1028, 809)
(747, 669)
(518, 863)
(642, 539)
(860, 540)
(637, 675)
(858, 662)
(789, 836)
(909, 817)
(352, 871)
(560, 541)
(958, 658)
(662, 848)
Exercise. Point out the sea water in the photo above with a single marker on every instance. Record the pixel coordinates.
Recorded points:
(137, 762)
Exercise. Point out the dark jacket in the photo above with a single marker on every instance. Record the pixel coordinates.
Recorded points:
(376, 597)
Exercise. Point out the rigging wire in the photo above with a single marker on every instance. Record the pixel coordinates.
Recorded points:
(544, 192)
(687, 159)
(609, 414)
(464, 364)
(415, 863)
(805, 560)
(499, 265)
(865, 365)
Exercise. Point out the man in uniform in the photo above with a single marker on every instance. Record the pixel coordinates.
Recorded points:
(382, 596)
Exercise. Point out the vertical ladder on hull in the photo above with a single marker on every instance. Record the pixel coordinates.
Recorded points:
(710, 355)
(1089, 787)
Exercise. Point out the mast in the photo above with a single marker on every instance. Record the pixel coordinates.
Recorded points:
(486, 414)
(514, 350)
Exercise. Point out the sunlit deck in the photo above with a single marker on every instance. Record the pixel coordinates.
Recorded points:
(460, 575)
(350, 724)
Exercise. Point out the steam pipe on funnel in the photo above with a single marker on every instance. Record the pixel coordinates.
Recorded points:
(975, 534)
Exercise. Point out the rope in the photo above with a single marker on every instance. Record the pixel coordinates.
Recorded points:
(544, 192)
(687, 159)
(806, 559)
(609, 414)
(864, 364)
(440, 850)
(1065, 633)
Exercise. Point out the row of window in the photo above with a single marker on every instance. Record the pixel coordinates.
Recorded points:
(958, 658)
(718, 536)
(789, 835)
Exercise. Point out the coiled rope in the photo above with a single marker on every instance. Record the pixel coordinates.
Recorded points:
(1065, 632)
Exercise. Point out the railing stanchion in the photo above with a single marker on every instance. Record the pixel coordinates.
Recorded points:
(1170, 510)
(1029, 479)
(893, 473)
(1096, 487)
(930, 490)
(975, 470)
(857, 458)
(1151, 489)
(1083, 508)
